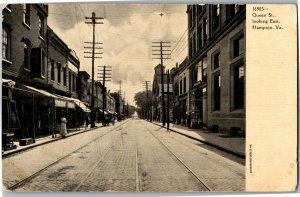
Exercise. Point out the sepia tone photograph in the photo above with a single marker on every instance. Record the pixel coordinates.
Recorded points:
(123, 97)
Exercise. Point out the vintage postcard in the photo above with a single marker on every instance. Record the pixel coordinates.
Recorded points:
(100, 97)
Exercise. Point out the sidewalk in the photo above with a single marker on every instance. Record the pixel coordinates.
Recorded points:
(45, 140)
(232, 144)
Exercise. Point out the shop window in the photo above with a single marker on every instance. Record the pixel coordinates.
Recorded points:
(26, 14)
(239, 89)
(217, 92)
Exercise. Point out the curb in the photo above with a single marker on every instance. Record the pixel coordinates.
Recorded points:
(240, 155)
(5, 155)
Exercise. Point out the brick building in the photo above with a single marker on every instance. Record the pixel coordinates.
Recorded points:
(42, 69)
(157, 92)
(216, 40)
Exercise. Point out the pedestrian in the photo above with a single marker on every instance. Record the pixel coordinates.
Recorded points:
(87, 120)
(25, 125)
(113, 119)
(63, 126)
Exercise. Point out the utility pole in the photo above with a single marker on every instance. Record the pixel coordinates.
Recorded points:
(105, 74)
(168, 100)
(127, 110)
(145, 83)
(163, 52)
(93, 22)
(124, 106)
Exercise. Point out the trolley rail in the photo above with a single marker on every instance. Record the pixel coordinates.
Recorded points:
(27, 179)
(180, 161)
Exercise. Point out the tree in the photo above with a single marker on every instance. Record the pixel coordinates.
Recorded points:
(142, 101)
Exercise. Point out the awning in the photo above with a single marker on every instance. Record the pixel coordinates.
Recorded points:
(60, 101)
(80, 104)
(43, 92)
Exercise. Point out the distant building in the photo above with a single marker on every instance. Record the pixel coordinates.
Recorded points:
(83, 86)
(180, 80)
(157, 92)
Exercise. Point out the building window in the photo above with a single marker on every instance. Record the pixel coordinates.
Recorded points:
(65, 76)
(70, 80)
(216, 16)
(184, 85)
(205, 30)
(204, 69)
(43, 64)
(26, 14)
(216, 60)
(26, 57)
(180, 86)
(236, 8)
(200, 37)
(194, 41)
(74, 82)
(190, 47)
(238, 81)
(238, 46)
(52, 70)
(58, 73)
(217, 92)
(5, 44)
(230, 11)
(199, 70)
(41, 26)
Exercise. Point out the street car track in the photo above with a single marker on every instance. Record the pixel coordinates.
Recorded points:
(101, 159)
(179, 160)
(27, 179)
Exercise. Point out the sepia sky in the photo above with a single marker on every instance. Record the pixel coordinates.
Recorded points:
(127, 33)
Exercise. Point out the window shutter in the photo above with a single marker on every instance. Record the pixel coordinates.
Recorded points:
(36, 62)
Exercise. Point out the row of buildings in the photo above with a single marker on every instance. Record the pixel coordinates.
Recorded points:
(41, 77)
(208, 87)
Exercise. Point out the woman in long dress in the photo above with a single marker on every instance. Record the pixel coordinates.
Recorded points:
(63, 126)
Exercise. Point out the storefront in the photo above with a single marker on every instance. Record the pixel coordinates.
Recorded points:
(198, 107)
(29, 112)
